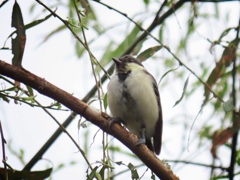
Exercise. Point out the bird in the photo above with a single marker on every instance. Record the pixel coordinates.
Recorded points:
(134, 101)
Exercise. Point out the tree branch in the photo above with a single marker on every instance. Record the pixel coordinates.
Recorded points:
(56, 134)
(100, 119)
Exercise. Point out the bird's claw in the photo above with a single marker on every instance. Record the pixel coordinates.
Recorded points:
(113, 121)
(141, 141)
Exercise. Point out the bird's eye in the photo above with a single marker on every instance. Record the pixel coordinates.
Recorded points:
(131, 60)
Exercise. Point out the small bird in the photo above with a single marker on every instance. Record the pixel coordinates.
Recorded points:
(134, 100)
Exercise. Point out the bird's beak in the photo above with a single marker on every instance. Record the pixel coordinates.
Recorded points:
(117, 61)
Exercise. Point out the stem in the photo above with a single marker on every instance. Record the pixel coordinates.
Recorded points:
(3, 151)
(198, 164)
(234, 117)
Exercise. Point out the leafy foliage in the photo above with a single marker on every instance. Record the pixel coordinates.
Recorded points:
(172, 39)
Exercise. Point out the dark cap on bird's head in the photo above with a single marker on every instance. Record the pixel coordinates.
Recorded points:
(126, 59)
(122, 63)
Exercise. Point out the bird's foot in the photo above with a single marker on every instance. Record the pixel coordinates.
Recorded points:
(113, 121)
(141, 141)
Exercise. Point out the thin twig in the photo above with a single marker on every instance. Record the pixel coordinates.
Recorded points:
(197, 164)
(3, 142)
(234, 116)
(38, 155)
(93, 59)
(91, 56)
(16, 98)
(66, 23)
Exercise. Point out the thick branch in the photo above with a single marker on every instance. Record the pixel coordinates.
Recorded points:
(94, 116)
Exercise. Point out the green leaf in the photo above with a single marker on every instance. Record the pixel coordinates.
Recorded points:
(82, 124)
(138, 47)
(160, 33)
(153, 177)
(32, 24)
(224, 33)
(4, 98)
(56, 104)
(133, 171)
(92, 175)
(28, 99)
(109, 53)
(79, 49)
(85, 5)
(30, 91)
(228, 106)
(228, 55)
(238, 158)
(148, 53)
(119, 163)
(117, 149)
(174, 69)
(12, 89)
(101, 172)
(183, 93)
(37, 22)
(105, 100)
(57, 30)
(36, 175)
(146, 2)
(73, 162)
(18, 43)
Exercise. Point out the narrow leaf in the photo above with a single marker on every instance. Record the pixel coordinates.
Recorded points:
(153, 176)
(221, 138)
(133, 171)
(146, 2)
(92, 175)
(183, 93)
(105, 101)
(57, 30)
(85, 4)
(228, 55)
(119, 163)
(224, 33)
(18, 44)
(32, 24)
(4, 98)
(174, 69)
(148, 53)
(30, 91)
(37, 22)
(138, 47)
(109, 54)
(36, 175)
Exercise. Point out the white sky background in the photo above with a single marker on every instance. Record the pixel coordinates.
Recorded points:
(55, 60)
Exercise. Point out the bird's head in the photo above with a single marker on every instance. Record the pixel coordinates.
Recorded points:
(127, 63)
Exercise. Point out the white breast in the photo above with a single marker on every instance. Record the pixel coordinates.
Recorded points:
(144, 110)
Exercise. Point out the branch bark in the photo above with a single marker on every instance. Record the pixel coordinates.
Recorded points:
(100, 119)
